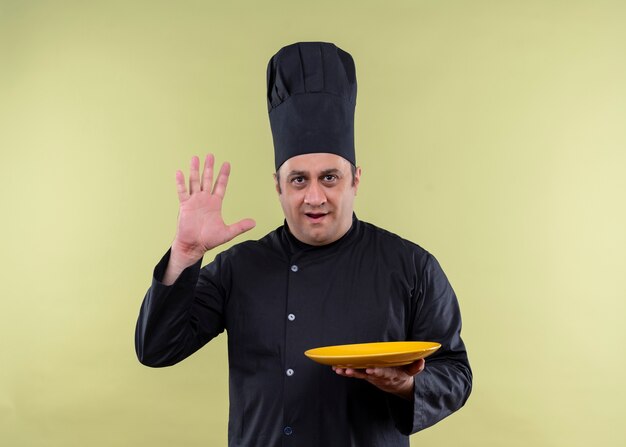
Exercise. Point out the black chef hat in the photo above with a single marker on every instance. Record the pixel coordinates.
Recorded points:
(311, 97)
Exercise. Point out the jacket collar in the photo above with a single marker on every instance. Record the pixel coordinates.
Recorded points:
(295, 246)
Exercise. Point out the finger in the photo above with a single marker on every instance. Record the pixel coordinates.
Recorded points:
(180, 186)
(389, 373)
(350, 372)
(242, 226)
(194, 175)
(376, 372)
(222, 180)
(340, 371)
(207, 173)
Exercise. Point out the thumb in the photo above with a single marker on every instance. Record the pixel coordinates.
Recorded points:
(415, 368)
(240, 227)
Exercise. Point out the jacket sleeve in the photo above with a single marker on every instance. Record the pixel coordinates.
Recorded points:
(446, 382)
(176, 320)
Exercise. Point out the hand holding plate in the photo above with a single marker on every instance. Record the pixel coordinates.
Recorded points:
(398, 380)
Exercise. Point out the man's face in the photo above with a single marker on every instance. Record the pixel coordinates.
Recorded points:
(317, 196)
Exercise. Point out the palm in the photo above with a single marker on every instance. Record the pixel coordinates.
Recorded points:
(200, 222)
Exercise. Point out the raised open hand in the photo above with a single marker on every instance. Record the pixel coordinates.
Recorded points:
(200, 223)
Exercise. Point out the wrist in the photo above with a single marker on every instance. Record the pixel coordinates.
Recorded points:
(182, 257)
(406, 392)
(176, 264)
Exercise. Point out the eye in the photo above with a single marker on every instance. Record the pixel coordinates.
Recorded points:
(298, 180)
(329, 178)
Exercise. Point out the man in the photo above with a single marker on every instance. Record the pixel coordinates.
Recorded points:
(323, 278)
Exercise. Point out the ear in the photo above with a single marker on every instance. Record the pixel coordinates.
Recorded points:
(357, 179)
(276, 185)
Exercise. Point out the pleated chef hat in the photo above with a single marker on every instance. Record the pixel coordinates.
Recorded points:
(311, 98)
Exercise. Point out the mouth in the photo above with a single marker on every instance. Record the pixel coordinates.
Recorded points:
(315, 217)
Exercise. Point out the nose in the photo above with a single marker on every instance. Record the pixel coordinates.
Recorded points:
(315, 195)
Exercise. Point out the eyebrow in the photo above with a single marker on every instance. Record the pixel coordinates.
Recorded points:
(297, 173)
(324, 172)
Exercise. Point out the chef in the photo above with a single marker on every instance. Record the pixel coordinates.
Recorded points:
(322, 278)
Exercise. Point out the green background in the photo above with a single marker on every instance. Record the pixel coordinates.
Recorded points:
(492, 133)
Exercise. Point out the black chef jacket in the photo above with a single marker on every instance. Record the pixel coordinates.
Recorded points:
(276, 298)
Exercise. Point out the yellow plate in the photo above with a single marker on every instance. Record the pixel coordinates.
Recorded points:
(372, 355)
